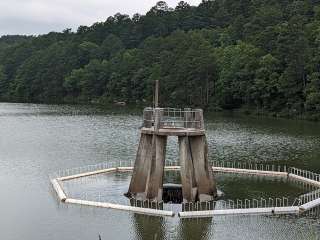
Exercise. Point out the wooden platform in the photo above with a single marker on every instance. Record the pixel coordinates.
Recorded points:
(174, 131)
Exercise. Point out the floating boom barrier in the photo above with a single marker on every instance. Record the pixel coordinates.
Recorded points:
(146, 211)
(306, 202)
(242, 211)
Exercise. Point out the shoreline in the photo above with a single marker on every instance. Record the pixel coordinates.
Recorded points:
(209, 112)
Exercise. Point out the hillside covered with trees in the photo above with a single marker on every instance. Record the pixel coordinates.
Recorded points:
(258, 55)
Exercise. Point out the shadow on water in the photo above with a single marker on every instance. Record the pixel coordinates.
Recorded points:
(148, 227)
(194, 229)
(155, 228)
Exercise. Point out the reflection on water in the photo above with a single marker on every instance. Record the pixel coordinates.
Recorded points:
(238, 141)
(232, 227)
(238, 186)
(261, 227)
(36, 140)
(148, 227)
(195, 229)
(110, 187)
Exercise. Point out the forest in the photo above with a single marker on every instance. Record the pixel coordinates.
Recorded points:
(255, 56)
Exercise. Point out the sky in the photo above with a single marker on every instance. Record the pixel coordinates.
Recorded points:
(33, 17)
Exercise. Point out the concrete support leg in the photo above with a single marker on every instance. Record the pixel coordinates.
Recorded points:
(203, 173)
(154, 187)
(189, 188)
(196, 175)
(141, 167)
(198, 183)
(147, 178)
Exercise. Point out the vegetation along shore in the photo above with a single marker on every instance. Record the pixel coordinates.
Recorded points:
(251, 56)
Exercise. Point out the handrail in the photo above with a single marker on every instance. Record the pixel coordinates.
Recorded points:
(173, 118)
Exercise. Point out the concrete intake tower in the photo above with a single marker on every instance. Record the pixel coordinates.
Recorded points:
(197, 178)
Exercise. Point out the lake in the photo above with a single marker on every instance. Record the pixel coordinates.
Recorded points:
(37, 140)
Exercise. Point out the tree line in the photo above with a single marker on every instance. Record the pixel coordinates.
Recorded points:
(259, 56)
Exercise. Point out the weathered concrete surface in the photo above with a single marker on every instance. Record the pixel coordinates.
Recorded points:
(154, 185)
(147, 177)
(196, 175)
(203, 173)
(173, 131)
(141, 166)
(198, 183)
(189, 188)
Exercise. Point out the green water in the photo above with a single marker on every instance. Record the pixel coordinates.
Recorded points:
(36, 140)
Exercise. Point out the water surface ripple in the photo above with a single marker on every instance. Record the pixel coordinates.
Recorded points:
(36, 140)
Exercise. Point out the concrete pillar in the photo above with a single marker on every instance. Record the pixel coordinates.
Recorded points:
(147, 177)
(203, 173)
(154, 186)
(189, 189)
(197, 179)
(141, 167)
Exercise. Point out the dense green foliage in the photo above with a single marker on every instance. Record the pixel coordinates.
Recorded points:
(251, 54)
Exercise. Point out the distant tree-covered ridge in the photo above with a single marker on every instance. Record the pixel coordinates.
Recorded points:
(259, 55)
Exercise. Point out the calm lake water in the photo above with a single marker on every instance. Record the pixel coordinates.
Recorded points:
(36, 140)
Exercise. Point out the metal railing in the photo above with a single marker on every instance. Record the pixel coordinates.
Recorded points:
(306, 174)
(308, 197)
(89, 168)
(250, 166)
(101, 197)
(196, 206)
(240, 204)
(173, 118)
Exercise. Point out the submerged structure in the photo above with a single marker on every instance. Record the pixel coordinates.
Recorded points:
(197, 178)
